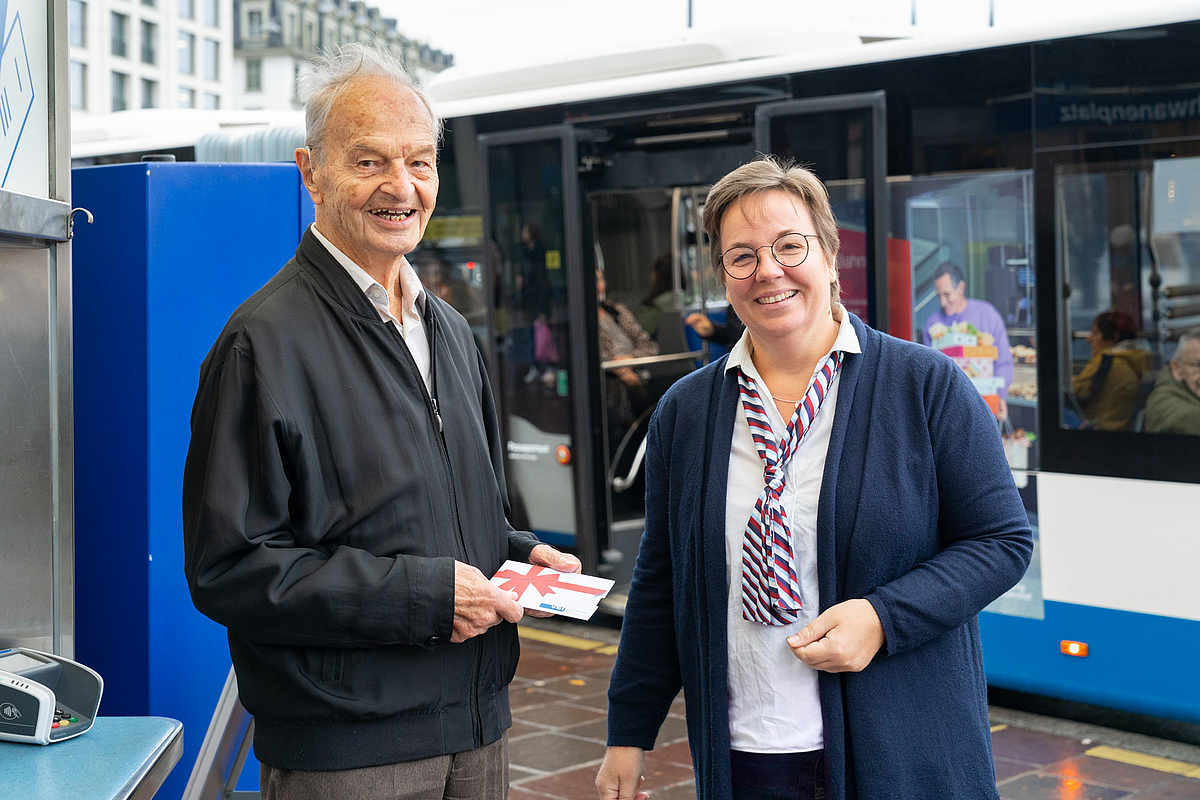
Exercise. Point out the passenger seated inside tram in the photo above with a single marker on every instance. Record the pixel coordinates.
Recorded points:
(660, 296)
(1174, 405)
(724, 334)
(1107, 388)
(621, 337)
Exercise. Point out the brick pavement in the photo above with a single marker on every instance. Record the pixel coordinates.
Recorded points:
(557, 740)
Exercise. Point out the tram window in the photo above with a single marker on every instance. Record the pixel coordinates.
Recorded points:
(970, 239)
(1129, 246)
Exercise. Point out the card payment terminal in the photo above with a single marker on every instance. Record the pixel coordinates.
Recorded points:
(45, 698)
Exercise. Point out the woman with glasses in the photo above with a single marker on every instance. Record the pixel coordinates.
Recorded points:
(827, 509)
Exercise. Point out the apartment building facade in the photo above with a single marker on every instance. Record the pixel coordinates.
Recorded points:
(128, 54)
(273, 40)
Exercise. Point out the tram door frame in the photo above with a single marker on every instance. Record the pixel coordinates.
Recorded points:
(580, 296)
(874, 167)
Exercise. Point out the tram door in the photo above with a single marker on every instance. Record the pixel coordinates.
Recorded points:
(651, 263)
(843, 139)
(539, 289)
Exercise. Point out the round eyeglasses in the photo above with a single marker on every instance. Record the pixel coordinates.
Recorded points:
(789, 250)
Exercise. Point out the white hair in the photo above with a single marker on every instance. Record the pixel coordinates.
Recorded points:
(333, 69)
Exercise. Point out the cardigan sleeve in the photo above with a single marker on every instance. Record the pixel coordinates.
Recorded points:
(244, 566)
(984, 540)
(646, 677)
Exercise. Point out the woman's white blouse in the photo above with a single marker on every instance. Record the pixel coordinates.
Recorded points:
(774, 704)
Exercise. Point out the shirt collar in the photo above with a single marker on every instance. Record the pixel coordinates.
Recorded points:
(846, 342)
(413, 293)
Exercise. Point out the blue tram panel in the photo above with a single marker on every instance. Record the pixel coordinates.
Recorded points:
(1141, 663)
(174, 249)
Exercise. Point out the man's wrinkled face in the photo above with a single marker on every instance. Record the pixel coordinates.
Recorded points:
(953, 299)
(1185, 366)
(374, 180)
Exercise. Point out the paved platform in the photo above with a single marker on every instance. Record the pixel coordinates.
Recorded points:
(559, 725)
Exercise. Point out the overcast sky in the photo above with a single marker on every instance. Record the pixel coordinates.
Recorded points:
(481, 33)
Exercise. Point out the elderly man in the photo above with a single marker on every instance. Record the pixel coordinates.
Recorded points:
(344, 501)
(1174, 405)
(951, 290)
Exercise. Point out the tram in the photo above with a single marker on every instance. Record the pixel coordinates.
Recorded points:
(1059, 169)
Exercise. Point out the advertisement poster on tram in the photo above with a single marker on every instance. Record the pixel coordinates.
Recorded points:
(24, 89)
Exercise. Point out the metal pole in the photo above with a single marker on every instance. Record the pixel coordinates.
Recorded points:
(689, 13)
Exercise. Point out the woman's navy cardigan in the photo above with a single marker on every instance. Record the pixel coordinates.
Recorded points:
(918, 513)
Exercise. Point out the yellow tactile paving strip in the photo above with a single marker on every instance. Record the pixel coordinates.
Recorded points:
(1142, 760)
(562, 640)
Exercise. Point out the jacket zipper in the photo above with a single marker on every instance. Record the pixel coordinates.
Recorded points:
(431, 395)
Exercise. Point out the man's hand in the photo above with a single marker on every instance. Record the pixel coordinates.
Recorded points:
(1002, 411)
(620, 776)
(479, 604)
(843, 639)
(543, 555)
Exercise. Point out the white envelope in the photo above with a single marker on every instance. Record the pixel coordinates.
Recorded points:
(543, 589)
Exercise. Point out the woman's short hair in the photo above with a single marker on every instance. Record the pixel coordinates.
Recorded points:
(1115, 326)
(765, 174)
(333, 69)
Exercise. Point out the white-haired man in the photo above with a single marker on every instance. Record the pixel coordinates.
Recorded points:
(1174, 405)
(344, 498)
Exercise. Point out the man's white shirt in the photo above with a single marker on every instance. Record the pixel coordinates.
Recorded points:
(412, 304)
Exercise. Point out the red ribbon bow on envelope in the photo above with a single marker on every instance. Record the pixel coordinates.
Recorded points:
(544, 580)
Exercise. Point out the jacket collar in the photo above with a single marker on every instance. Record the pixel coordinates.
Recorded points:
(332, 277)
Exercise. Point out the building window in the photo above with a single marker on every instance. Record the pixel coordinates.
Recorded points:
(212, 100)
(254, 24)
(187, 9)
(293, 31)
(308, 36)
(149, 43)
(212, 58)
(187, 54)
(253, 74)
(78, 84)
(120, 91)
(149, 93)
(187, 98)
(120, 33)
(212, 14)
(151, 3)
(77, 23)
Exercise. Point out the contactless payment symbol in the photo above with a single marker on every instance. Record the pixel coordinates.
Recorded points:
(9, 712)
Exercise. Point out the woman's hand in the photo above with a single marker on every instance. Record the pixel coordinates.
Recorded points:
(620, 776)
(700, 324)
(543, 555)
(843, 639)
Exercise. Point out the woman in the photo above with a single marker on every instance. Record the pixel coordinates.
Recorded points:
(1109, 385)
(851, 667)
(621, 337)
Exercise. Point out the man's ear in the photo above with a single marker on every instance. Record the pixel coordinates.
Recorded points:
(307, 167)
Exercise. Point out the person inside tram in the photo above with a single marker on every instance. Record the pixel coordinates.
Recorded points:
(660, 295)
(533, 286)
(1174, 405)
(621, 338)
(724, 334)
(1108, 386)
(816, 604)
(956, 307)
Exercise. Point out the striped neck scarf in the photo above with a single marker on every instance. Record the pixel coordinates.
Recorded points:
(770, 589)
